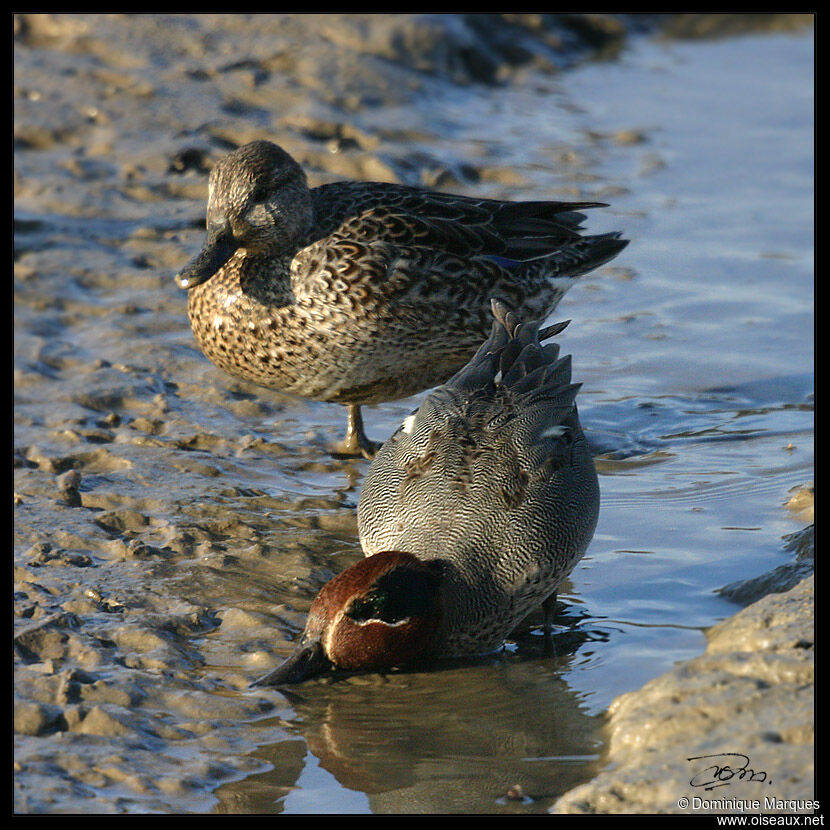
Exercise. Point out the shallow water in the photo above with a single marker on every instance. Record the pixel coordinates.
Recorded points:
(695, 348)
(696, 354)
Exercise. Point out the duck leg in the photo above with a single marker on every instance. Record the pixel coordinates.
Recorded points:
(355, 444)
(548, 608)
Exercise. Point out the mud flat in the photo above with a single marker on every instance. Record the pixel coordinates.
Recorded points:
(152, 509)
(743, 711)
(171, 524)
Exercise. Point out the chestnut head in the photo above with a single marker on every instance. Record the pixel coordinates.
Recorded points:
(383, 611)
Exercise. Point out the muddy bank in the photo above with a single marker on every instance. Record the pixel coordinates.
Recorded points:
(751, 693)
(172, 524)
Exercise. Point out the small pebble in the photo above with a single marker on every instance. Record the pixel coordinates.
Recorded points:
(68, 484)
(515, 793)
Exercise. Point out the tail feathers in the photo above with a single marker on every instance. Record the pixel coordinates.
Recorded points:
(514, 358)
(516, 389)
(524, 217)
(580, 256)
(535, 229)
(552, 330)
(557, 374)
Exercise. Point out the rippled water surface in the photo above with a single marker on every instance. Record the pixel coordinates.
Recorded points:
(695, 348)
(696, 354)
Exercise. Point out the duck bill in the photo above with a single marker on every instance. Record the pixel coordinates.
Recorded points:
(219, 248)
(309, 659)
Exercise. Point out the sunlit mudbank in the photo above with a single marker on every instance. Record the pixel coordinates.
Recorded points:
(172, 524)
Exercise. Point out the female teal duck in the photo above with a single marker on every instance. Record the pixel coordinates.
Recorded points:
(363, 292)
(470, 517)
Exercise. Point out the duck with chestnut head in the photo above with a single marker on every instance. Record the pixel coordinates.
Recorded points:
(471, 516)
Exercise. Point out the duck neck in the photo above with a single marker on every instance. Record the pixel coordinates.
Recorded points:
(265, 278)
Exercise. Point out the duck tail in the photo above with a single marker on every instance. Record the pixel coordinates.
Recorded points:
(514, 357)
(576, 258)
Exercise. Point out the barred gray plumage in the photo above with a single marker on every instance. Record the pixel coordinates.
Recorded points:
(493, 476)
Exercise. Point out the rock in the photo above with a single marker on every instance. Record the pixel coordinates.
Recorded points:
(750, 693)
(32, 718)
(48, 639)
(802, 502)
(718, 24)
(68, 486)
(101, 721)
(783, 577)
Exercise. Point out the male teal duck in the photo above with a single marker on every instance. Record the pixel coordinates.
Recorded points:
(363, 292)
(471, 515)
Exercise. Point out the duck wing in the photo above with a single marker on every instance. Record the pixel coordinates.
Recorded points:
(488, 454)
(460, 225)
(514, 398)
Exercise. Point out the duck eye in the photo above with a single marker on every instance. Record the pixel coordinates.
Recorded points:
(259, 195)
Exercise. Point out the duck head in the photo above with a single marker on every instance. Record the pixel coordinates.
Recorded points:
(258, 200)
(383, 611)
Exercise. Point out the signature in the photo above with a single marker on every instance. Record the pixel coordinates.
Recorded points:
(723, 768)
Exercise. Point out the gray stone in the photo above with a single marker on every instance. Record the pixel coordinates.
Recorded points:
(750, 693)
(782, 578)
(33, 718)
